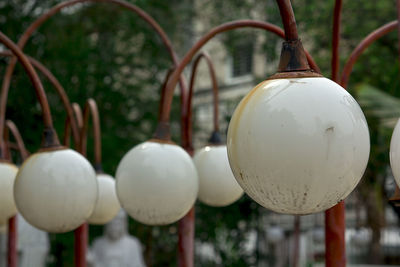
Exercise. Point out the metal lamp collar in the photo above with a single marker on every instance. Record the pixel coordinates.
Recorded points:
(293, 62)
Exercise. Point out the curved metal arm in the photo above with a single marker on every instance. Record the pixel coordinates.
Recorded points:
(18, 139)
(50, 136)
(200, 43)
(367, 41)
(91, 108)
(288, 20)
(77, 117)
(335, 245)
(54, 10)
(60, 91)
(398, 26)
(213, 76)
(162, 91)
(335, 40)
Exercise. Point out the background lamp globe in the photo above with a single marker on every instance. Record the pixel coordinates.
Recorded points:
(156, 183)
(107, 205)
(298, 145)
(8, 209)
(395, 153)
(56, 190)
(217, 185)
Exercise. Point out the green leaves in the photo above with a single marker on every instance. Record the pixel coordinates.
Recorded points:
(379, 104)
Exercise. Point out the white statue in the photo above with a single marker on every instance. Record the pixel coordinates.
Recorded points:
(33, 245)
(3, 245)
(116, 248)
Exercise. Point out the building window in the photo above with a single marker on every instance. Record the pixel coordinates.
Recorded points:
(242, 59)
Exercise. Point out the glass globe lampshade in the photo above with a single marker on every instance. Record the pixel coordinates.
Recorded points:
(395, 153)
(56, 190)
(8, 209)
(298, 145)
(156, 182)
(217, 185)
(107, 205)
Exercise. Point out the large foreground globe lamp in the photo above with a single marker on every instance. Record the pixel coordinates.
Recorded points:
(292, 72)
(298, 143)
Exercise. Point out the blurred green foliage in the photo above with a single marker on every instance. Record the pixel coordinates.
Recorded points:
(105, 52)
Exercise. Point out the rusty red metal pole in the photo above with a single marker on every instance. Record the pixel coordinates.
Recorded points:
(82, 232)
(186, 239)
(288, 19)
(214, 87)
(398, 26)
(187, 223)
(364, 44)
(335, 226)
(12, 233)
(92, 110)
(18, 139)
(335, 254)
(336, 40)
(80, 245)
(12, 237)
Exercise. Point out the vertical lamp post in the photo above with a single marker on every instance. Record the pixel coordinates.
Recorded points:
(12, 234)
(217, 185)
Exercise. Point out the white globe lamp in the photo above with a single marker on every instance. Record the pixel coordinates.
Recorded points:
(298, 145)
(217, 185)
(156, 182)
(395, 153)
(8, 171)
(107, 205)
(56, 190)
